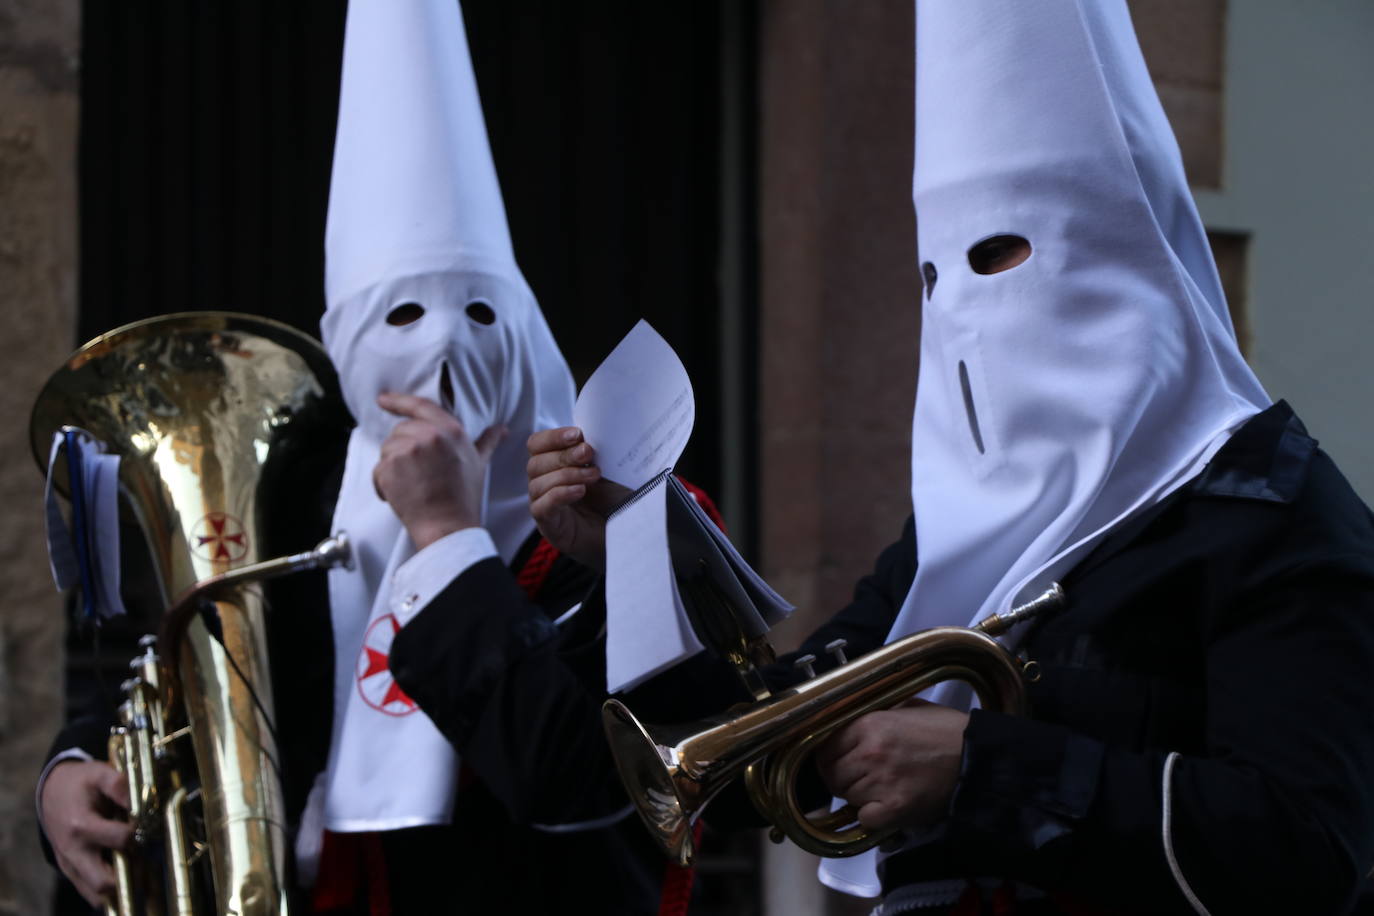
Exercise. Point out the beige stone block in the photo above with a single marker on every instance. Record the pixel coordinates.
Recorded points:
(1184, 41)
(1196, 117)
(839, 313)
(38, 234)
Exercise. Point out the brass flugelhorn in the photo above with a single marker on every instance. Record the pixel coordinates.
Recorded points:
(209, 413)
(671, 772)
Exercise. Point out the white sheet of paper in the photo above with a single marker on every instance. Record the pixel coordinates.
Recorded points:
(647, 629)
(637, 409)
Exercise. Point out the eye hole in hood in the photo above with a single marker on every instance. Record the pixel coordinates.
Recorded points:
(481, 313)
(404, 314)
(998, 253)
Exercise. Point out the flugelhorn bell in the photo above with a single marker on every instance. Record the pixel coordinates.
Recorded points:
(671, 772)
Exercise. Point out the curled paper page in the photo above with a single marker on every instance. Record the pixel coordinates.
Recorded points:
(647, 629)
(637, 409)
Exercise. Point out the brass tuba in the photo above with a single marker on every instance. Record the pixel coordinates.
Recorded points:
(205, 409)
(672, 772)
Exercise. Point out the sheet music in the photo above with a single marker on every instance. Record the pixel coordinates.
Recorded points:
(637, 409)
(647, 628)
(637, 412)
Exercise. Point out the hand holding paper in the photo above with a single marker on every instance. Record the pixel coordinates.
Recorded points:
(636, 412)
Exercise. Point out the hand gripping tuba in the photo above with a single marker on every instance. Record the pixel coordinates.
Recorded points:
(672, 772)
(206, 410)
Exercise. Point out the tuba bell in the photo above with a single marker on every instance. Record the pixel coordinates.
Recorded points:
(671, 772)
(204, 410)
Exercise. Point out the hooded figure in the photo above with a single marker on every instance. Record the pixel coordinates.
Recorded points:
(424, 298)
(1063, 393)
(1078, 368)
(1078, 361)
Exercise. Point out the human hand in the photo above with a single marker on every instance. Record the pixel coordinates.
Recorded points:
(898, 766)
(430, 471)
(84, 806)
(568, 497)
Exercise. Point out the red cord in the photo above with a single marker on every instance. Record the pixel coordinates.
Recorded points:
(533, 574)
(677, 884)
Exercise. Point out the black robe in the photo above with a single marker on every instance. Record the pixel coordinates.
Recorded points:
(1232, 623)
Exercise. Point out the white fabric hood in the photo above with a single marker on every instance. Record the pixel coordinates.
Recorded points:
(1060, 396)
(1098, 375)
(416, 219)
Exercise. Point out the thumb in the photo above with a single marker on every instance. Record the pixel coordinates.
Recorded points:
(487, 442)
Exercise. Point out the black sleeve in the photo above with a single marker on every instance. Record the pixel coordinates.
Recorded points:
(87, 733)
(1271, 801)
(1273, 814)
(519, 699)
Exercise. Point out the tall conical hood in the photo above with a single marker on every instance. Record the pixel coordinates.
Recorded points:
(1060, 394)
(414, 187)
(1014, 89)
(1065, 392)
(423, 297)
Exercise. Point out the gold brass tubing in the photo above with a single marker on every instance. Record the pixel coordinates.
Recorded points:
(141, 740)
(206, 410)
(180, 900)
(672, 772)
(124, 884)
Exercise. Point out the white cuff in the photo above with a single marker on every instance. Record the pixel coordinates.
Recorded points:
(71, 753)
(418, 580)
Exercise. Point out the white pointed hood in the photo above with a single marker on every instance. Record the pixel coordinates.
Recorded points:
(416, 219)
(1060, 396)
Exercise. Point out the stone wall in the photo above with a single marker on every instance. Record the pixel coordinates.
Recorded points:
(38, 268)
(839, 314)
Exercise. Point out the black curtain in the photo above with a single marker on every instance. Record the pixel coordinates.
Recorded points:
(207, 131)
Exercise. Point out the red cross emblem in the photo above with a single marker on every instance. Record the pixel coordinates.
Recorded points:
(220, 537)
(375, 684)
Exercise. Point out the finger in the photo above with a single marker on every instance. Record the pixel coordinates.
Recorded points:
(486, 443)
(553, 440)
(840, 743)
(580, 455)
(114, 785)
(564, 477)
(377, 482)
(401, 442)
(409, 432)
(106, 834)
(547, 506)
(877, 815)
(413, 406)
(844, 776)
(91, 875)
